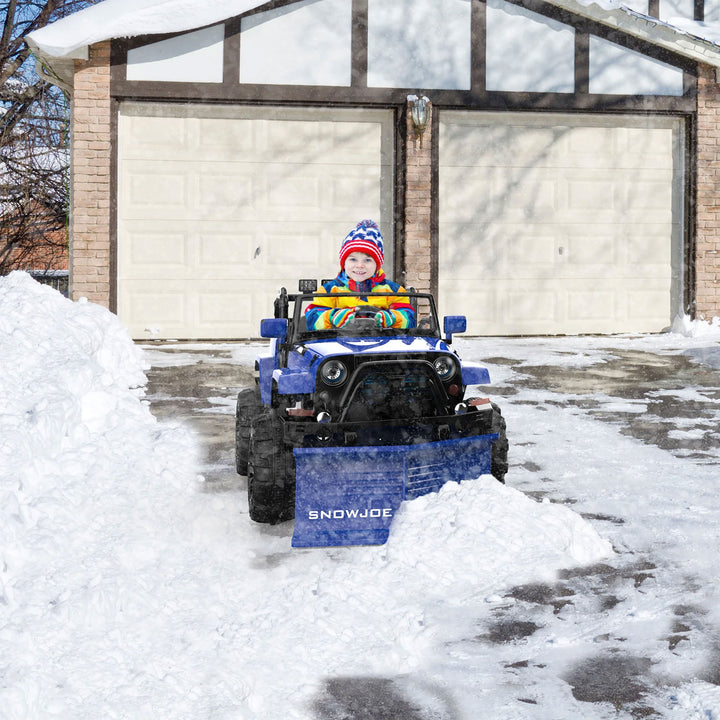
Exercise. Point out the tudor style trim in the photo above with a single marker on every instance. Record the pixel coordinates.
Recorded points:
(477, 97)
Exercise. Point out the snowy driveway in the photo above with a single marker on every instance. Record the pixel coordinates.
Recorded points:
(625, 432)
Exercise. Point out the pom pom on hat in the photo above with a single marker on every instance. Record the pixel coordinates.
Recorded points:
(364, 238)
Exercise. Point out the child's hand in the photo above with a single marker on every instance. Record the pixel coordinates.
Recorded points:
(384, 319)
(340, 317)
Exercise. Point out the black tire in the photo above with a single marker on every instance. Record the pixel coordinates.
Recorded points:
(248, 407)
(271, 472)
(499, 451)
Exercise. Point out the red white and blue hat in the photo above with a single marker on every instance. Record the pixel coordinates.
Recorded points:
(364, 238)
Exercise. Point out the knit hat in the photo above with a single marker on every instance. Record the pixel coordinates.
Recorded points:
(364, 238)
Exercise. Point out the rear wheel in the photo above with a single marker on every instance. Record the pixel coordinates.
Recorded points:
(248, 406)
(271, 472)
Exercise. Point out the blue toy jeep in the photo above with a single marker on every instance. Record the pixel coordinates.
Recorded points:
(344, 424)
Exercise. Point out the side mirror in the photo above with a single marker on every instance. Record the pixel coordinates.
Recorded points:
(274, 328)
(454, 324)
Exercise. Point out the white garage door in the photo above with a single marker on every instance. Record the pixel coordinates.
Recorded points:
(554, 224)
(221, 206)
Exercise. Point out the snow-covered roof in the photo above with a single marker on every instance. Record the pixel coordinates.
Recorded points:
(692, 39)
(57, 44)
(130, 18)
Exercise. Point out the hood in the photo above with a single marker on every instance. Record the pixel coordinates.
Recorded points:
(374, 346)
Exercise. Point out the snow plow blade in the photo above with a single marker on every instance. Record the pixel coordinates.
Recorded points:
(349, 495)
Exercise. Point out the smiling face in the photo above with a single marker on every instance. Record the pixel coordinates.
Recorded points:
(359, 266)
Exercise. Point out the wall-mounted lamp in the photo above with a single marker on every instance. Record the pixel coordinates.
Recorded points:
(420, 114)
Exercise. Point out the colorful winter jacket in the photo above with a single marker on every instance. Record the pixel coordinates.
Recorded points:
(319, 314)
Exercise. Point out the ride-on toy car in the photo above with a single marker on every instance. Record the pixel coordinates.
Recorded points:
(344, 424)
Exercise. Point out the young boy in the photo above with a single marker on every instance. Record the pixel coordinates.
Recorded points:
(361, 259)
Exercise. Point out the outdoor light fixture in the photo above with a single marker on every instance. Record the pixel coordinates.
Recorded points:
(420, 114)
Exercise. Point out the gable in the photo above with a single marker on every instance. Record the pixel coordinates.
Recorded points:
(437, 45)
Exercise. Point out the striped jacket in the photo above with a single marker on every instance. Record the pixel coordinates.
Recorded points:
(318, 314)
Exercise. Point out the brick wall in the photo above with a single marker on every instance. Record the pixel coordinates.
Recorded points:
(90, 260)
(418, 190)
(708, 196)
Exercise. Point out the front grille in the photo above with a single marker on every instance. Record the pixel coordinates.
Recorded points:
(390, 390)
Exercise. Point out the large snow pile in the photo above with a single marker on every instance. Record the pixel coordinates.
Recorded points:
(127, 592)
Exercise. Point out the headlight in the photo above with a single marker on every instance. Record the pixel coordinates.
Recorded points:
(334, 373)
(445, 366)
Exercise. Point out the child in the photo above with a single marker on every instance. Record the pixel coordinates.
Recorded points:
(361, 259)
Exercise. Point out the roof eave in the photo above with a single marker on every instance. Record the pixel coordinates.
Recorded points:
(646, 28)
(58, 71)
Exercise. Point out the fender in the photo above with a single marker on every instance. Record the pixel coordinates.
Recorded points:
(474, 374)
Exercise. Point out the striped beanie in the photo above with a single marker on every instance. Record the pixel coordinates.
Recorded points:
(364, 238)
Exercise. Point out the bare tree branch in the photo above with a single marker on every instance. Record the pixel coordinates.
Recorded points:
(34, 159)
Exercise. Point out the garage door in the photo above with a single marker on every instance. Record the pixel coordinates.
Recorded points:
(553, 224)
(220, 207)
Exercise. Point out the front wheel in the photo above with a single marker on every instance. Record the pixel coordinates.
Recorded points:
(271, 472)
(499, 451)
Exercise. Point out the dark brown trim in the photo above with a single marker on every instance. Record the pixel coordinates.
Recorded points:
(358, 94)
(478, 40)
(139, 41)
(231, 53)
(400, 184)
(654, 8)
(118, 64)
(699, 10)
(435, 203)
(113, 211)
(586, 25)
(690, 231)
(359, 43)
(382, 97)
(582, 63)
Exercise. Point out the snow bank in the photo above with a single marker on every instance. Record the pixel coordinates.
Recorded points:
(683, 325)
(85, 477)
(510, 532)
(126, 592)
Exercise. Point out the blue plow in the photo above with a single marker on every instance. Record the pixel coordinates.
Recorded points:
(349, 495)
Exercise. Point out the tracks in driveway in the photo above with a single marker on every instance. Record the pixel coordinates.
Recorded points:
(660, 407)
(198, 385)
(667, 401)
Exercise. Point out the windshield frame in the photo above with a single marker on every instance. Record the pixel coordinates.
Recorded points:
(429, 312)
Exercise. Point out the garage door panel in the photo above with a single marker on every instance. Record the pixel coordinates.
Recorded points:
(222, 194)
(220, 253)
(643, 305)
(574, 224)
(156, 137)
(591, 251)
(167, 189)
(147, 249)
(591, 305)
(509, 193)
(166, 297)
(647, 250)
(536, 303)
(528, 255)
